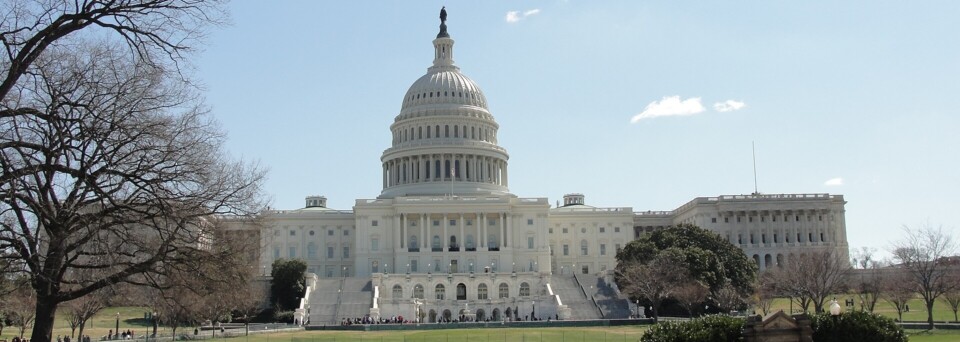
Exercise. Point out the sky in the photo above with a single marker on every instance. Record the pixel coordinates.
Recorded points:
(642, 104)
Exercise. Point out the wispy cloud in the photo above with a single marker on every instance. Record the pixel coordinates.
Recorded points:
(728, 106)
(670, 106)
(834, 182)
(515, 16)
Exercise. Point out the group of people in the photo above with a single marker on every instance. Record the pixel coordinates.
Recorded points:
(400, 320)
(371, 320)
(123, 335)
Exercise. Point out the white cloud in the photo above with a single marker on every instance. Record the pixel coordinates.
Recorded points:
(670, 106)
(515, 16)
(834, 182)
(728, 106)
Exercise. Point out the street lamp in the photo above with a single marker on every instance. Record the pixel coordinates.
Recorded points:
(117, 331)
(533, 312)
(834, 307)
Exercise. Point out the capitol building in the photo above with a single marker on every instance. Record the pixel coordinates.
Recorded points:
(447, 240)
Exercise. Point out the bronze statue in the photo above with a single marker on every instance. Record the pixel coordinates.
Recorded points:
(443, 14)
(443, 23)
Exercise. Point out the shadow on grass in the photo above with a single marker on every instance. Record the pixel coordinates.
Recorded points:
(140, 322)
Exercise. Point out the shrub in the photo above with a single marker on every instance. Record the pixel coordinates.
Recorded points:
(284, 316)
(855, 326)
(717, 328)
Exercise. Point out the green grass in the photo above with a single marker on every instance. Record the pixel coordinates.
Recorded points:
(918, 311)
(603, 334)
(130, 318)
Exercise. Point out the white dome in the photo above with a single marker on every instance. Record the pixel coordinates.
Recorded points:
(444, 86)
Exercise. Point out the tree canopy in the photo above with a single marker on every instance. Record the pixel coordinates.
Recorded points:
(288, 284)
(707, 257)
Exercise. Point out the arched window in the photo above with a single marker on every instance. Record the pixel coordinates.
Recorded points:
(584, 249)
(397, 291)
(492, 241)
(419, 132)
(469, 242)
(524, 290)
(440, 291)
(482, 291)
(412, 244)
(456, 131)
(436, 132)
(461, 291)
(418, 291)
(504, 290)
(436, 242)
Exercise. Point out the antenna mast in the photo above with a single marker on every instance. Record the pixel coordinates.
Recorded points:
(754, 148)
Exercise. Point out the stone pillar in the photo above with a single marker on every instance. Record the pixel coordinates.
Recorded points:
(506, 230)
(423, 232)
(444, 240)
(460, 240)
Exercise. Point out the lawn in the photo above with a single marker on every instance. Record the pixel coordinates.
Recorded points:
(130, 318)
(918, 311)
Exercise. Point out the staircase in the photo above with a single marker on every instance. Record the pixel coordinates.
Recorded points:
(612, 304)
(338, 298)
(572, 295)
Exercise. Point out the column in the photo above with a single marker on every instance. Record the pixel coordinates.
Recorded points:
(483, 232)
(397, 233)
(506, 230)
(444, 238)
(505, 182)
(423, 232)
(460, 240)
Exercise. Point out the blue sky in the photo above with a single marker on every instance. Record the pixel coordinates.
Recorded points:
(855, 98)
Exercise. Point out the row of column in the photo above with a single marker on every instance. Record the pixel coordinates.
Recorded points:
(402, 234)
(458, 167)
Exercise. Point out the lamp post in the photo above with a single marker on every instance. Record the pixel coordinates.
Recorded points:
(835, 309)
(534, 311)
(117, 331)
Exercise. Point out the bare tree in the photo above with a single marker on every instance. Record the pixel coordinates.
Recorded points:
(765, 291)
(898, 290)
(867, 281)
(20, 309)
(812, 278)
(922, 253)
(728, 299)
(691, 295)
(654, 281)
(952, 298)
(112, 166)
(80, 310)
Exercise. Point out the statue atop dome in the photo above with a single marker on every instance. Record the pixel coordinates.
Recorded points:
(443, 23)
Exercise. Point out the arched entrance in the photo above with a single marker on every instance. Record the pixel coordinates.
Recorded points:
(495, 315)
(481, 315)
(447, 316)
(433, 316)
(461, 291)
(509, 313)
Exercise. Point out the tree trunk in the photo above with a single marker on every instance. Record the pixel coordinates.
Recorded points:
(43, 322)
(80, 336)
(930, 315)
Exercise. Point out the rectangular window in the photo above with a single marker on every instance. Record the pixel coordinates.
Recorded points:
(491, 222)
(413, 266)
(453, 222)
(293, 233)
(436, 223)
(564, 230)
(618, 248)
(329, 252)
(616, 229)
(529, 242)
(603, 229)
(375, 266)
(375, 244)
(550, 230)
(738, 219)
(330, 232)
(603, 249)
(713, 220)
(346, 232)
(726, 220)
(276, 252)
(293, 252)
(346, 252)
(763, 238)
(529, 222)
(374, 223)
(775, 238)
(469, 222)
(566, 250)
(750, 219)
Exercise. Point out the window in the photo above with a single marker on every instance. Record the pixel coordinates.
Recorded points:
(491, 222)
(436, 223)
(821, 237)
(293, 252)
(583, 247)
(453, 222)
(583, 230)
(566, 249)
(440, 291)
(276, 252)
(713, 220)
(585, 269)
(329, 252)
(564, 230)
(524, 290)
(330, 232)
(603, 249)
(503, 291)
(775, 238)
(529, 242)
(346, 232)
(529, 222)
(397, 291)
(311, 233)
(603, 229)
(346, 252)
(375, 266)
(750, 219)
(763, 238)
(550, 230)
(738, 219)
(618, 248)
(616, 229)
(375, 244)
(418, 291)
(726, 220)
(413, 266)
(311, 251)
(482, 291)
(293, 233)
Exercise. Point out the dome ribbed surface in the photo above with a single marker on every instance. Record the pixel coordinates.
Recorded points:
(445, 86)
